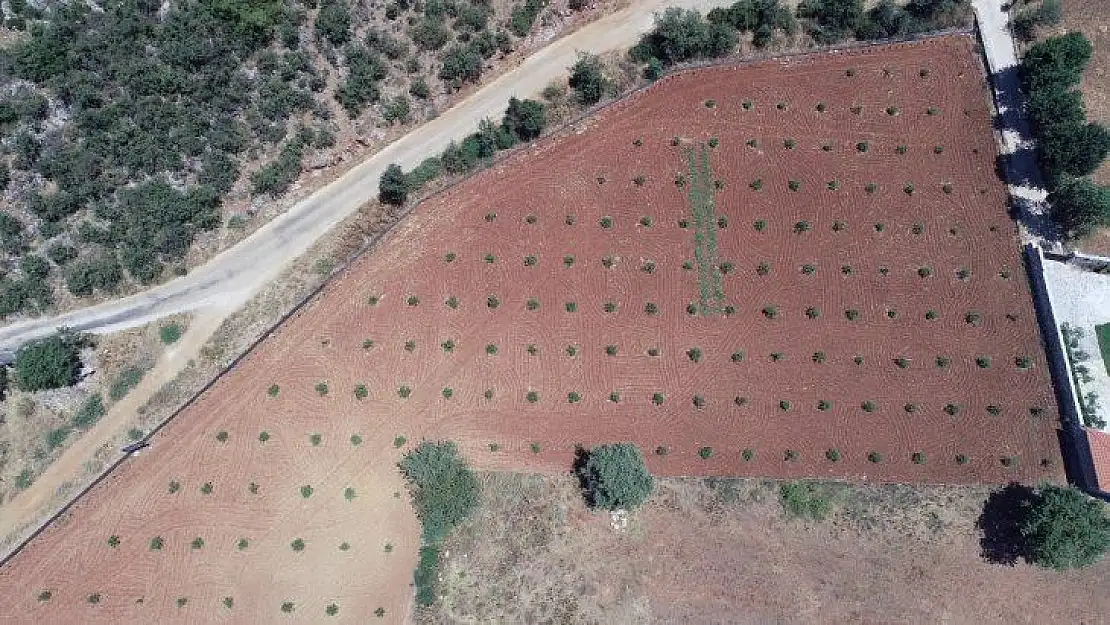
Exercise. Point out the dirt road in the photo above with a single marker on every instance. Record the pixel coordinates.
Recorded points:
(232, 277)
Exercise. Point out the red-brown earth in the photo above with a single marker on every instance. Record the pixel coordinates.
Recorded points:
(892, 254)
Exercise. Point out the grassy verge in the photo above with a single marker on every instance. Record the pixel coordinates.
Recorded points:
(711, 293)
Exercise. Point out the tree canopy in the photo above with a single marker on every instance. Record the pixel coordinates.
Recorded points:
(525, 119)
(587, 79)
(1080, 206)
(444, 490)
(615, 476)
(51, 362)
(393, 188)
(1065, 528)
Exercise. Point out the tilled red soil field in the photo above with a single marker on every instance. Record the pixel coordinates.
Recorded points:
(798, 268)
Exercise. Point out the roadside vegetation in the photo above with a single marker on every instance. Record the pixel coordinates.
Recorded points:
(127, 133)
(444, 492)
(1069, 147)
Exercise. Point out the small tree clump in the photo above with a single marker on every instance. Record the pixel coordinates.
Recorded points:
(614, 476)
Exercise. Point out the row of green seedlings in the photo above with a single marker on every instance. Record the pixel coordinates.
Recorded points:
(658, 398)
(769, 311)
(254, 488)
(608, 222)
(287, 607)
(649, 267)
(695, 354)
(834, 455)
(804, 226)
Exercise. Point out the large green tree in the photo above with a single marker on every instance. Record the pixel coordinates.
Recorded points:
(1080, 206)
(615, 476)
(1066, 529)
(1057, 62)
(1075, 149)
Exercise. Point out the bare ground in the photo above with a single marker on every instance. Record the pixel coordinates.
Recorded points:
(716, 551)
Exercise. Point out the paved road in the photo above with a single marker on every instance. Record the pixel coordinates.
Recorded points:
(228, 280)
(1023, 176)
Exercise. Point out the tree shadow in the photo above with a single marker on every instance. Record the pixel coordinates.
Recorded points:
(1001, 541)
(581, 456)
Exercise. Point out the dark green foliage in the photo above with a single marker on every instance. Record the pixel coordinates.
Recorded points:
(804, 500)
(1067, 144)
(1065, 528)
(364, 70)
(1073, 148)
(52, 362)
(397, 110)
(759, 17)
(587, 79)
(830, 21)
(1080, 206)
(426, 573)
(148, 93)
(429, 34)
(276, 176)
(444, 490)
(681, 35)
(1056, 63)
(333, 23)
(429, 169)
(89, 412)
(525, 119)
(523, 16)
(614, 476)
(393, 187)
(419, 89)
(460, 64)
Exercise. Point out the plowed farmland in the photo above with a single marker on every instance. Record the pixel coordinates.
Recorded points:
(798, 268)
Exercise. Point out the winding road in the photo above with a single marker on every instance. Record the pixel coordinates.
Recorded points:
(228, 280)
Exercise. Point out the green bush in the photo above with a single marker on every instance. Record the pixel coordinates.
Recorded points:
(524, 119)
(333, 22)
(444, 490)
(393, 187)
(587, 79)
(51, 362)
(170, 333)
(615, 476)
(804, 500)
(1065, 528)
(681, 35)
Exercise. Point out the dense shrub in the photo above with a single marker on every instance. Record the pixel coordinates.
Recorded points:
(523, 16)
(681, 35)
(525, 119)
(333, 22)
(1065, 528)
(460, 64)
(830, 21)
(587, 79)
(364, 70)
(52, 362)
(276, 176)
(1080, 206)
(614, 476)
(444, 491)
(393, 188)
(759, 17)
